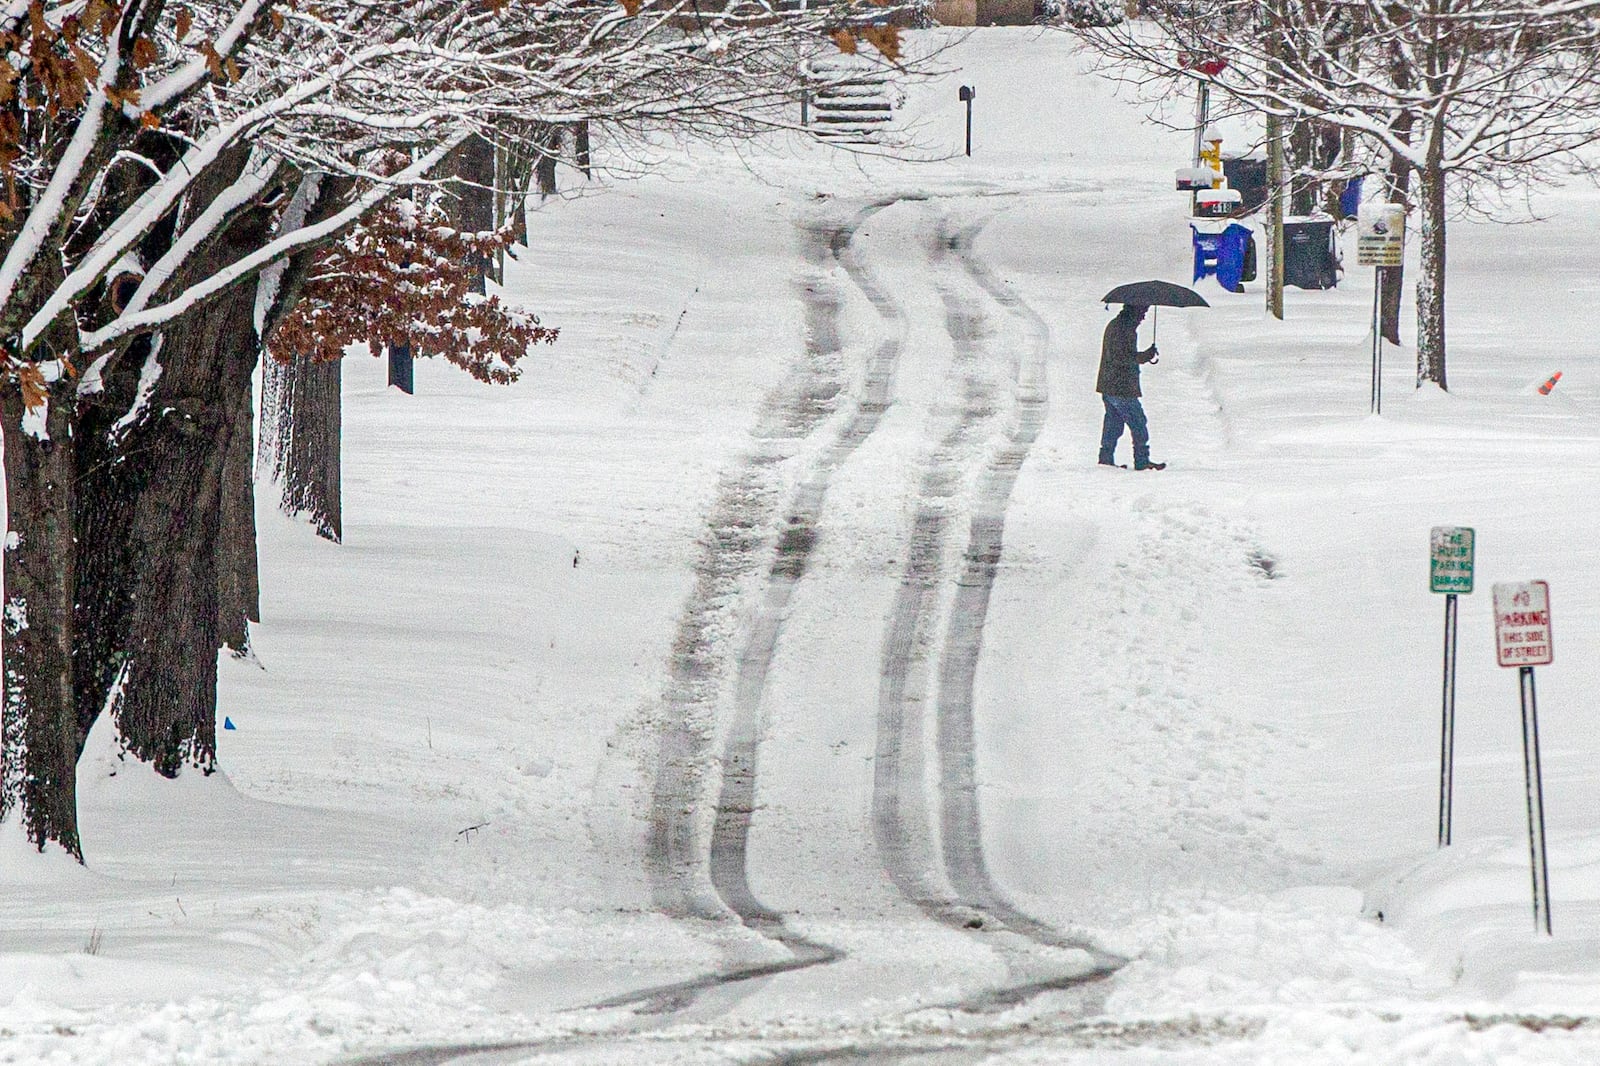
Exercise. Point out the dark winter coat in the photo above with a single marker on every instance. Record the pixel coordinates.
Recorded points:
(1120, 357)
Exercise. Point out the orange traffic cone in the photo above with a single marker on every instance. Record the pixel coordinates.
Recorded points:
(1544, 390)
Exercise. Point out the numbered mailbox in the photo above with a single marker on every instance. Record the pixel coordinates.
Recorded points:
(1522, 623)
(1450, 559)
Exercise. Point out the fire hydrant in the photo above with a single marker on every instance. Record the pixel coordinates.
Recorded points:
(1211, 156)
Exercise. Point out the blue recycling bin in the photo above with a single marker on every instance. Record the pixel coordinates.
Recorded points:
(1222, 254)
(1350, 199)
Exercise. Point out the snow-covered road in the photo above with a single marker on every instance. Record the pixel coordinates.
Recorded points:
(772, 676)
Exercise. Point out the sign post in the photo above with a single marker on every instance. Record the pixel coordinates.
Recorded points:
(1449, 572)
(1380, 242)
(1522, 640)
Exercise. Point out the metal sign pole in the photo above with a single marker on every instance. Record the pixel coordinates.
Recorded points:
(1535, 785)
(1447, 740)
(1377, 341)
(1452, 556)
(1380, 243)
(1377, 348)
(1522, 638)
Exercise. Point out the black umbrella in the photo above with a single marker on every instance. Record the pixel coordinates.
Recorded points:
(1154, 294)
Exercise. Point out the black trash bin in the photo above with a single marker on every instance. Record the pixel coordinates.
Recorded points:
(1309, 258)
(1248, 174)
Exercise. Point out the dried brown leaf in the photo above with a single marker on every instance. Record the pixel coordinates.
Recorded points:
(144, 53)
(34, 390)
(886, 39)
(213, 60)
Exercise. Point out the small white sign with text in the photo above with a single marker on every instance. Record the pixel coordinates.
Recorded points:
(1522, 623)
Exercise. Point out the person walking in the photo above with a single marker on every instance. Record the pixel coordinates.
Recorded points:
(1118, 386)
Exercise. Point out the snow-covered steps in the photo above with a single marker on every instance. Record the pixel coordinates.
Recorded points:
(851, 98)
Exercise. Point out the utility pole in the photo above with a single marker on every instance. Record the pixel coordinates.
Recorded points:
(1202, 117)
(1274, 178)
(1275, 216)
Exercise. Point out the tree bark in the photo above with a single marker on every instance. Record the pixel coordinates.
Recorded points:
(238, 576)
(1398, 188)
(38, 767)
(156, 549)
(300, 448)
(151, 518)
(1301, 150)
(472, 208)
(580, 147)
(549, 154)
(1392, 293)
(1430, 285)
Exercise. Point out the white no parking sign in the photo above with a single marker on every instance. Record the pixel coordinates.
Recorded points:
(1522, 640)
(1522, 623)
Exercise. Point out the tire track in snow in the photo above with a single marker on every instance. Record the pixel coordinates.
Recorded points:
(901, 821)
(902, 824)
(731, 831)
(692, 876)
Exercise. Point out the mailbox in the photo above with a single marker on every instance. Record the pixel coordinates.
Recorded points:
(1217, 203)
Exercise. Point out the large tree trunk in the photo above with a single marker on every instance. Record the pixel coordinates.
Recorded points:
(152, 541)
(1301, 148)
(549, 154)
(1398, 189)
(1393, 288)
(151, 523)
(298, 449)
(300, 419)
(472, 208)
(103, 508)
(1430, 285)
(38, 767)
(238, 577)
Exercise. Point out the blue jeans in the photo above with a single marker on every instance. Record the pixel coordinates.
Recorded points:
(1124, 411)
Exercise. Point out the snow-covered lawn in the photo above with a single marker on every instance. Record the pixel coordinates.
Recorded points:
(733, 530)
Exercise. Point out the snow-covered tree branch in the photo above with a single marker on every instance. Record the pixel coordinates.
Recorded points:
(158, 147)
(1458, 92)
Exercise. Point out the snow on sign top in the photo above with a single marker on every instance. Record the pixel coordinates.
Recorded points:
(1522, 623)
(1450, 559)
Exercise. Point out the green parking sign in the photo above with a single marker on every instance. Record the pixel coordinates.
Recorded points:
(1450, 569)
